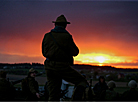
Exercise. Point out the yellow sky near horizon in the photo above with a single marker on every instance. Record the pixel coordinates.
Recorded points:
(102, 59)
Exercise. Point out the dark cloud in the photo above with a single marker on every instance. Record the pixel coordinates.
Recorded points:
(108, 20)
(26, 16)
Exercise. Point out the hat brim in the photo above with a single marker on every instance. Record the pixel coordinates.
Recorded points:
(61, 22)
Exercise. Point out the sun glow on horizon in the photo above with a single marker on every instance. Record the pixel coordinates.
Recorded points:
(101, 59)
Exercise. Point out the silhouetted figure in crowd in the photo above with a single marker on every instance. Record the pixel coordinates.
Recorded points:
(132, 93)
(100, 87)
(59, 48)
(7, 90)
(88, 93)
(30, 86)
(110, 94)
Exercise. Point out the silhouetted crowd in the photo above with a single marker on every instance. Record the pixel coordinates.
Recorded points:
(106, 92)
(103, 91)
(100, 92)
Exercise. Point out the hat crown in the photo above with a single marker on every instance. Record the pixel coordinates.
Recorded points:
(61, 19)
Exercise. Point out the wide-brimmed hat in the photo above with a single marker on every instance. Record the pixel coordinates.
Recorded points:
(32, 70)
(61, 19)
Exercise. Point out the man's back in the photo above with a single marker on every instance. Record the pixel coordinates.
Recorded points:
(60, 52)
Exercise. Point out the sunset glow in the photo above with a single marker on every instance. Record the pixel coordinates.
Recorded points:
(102, 59)
(108, 35)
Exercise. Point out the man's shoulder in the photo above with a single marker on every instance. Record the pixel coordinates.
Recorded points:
(62, 33)
(30, 78)
(48, 33)
(97, 84)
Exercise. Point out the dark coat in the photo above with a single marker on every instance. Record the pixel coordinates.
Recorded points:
(52, 51)
(130, 95)
(57, 61)
(99, 88)
(31, 89)
(109, 95)
(6, 90)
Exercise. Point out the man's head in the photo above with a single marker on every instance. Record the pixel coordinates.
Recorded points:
(101, 79)
(61, 21)
(132, 84)
(111, 84)
(32, 73)
(3, 74)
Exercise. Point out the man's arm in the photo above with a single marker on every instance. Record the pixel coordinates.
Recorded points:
(74, 51)
(32, 88)
(43, 47)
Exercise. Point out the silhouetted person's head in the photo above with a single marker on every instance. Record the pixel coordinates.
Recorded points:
(111, 85)
(101, 79)
(61, 21)
(132, 84)
(64, 25)
(32, 73)
(3, 74)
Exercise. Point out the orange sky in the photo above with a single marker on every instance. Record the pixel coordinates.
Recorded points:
(105, 32)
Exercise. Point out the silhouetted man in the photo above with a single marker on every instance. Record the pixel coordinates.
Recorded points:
(30, 86)
(132, 93)
(59, 48)
(7, 90)
(110, 94)
(100, 87)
